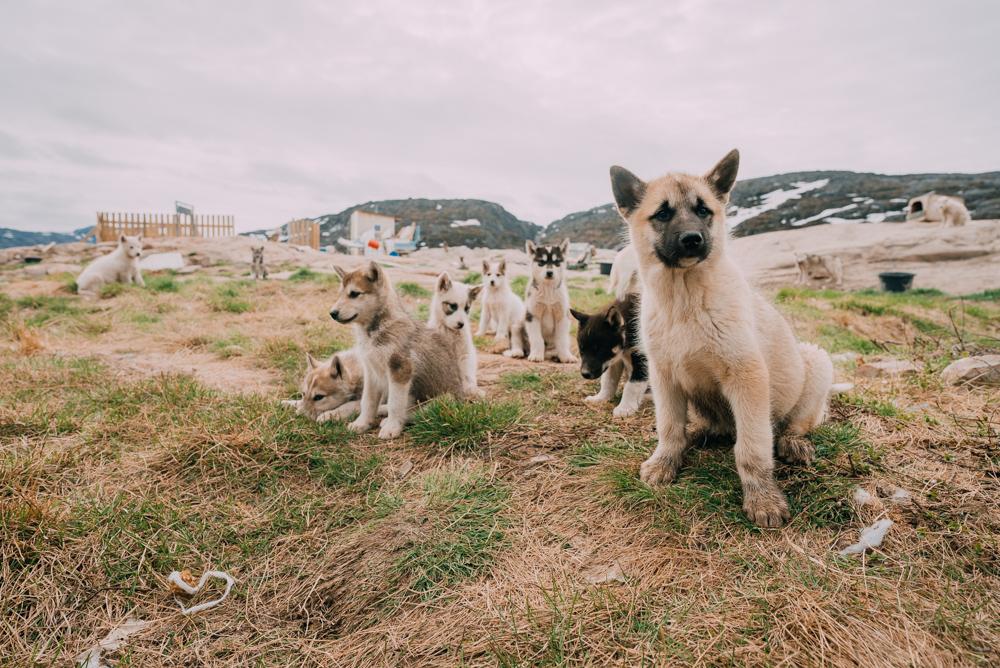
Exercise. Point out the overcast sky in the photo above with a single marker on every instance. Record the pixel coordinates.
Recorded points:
(277, 110)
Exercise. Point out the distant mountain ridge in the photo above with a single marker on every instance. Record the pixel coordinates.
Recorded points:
(802, 199)
(9, 237)
(458, 222)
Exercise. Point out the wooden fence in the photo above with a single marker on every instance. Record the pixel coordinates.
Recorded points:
(111, 225)
(304, 232)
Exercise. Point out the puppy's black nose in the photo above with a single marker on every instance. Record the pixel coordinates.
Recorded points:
(335, 314)
(586, 373)
(692, 241)
(461, 325)
(548, 274)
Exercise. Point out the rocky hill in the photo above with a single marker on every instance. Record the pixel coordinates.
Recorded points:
(801, 199)
(468, 222)
(10, 237)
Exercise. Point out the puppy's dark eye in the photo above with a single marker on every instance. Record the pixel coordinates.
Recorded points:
(467, 306)
(664, 214)
(353, 294)
(318, 397)
(557, 262)
(701, 210)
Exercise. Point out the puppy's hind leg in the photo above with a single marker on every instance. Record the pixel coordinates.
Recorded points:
(484, 318)
(811, 409)
(400, 380)
(517, 335)
(635, 388)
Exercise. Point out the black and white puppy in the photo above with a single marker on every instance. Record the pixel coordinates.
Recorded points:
(610, 348)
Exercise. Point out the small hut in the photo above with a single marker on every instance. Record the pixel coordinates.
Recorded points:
(933, 208)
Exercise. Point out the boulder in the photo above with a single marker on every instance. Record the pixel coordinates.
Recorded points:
(887, 368)
(979, 370)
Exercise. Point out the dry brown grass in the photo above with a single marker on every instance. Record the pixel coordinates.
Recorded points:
(348, 551)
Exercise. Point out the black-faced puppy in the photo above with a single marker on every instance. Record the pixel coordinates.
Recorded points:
(714, 342)
(610, 348)
(546, 300)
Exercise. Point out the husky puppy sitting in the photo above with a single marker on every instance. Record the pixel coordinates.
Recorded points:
(331, 390)
(503, 311)
(610, 348)
(546, 302)
(403, 359)
(714, 342)
(257, 263)
(450, 308)
(119, 266)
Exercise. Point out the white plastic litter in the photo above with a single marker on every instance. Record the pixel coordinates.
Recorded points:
(870, 537)
(175, 579)
(900, 496)
(91, 657)
(160, 261)
(841, 388)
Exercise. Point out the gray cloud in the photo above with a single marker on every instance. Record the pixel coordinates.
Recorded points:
(271, 111)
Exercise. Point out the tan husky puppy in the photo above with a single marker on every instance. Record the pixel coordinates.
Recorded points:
(713, 342)
(331, 390)
(403, 359)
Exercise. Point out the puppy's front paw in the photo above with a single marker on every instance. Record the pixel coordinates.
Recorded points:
(657, 471)
(766, 508)
(796, 449)
(515, 354)
(624, 410)
(567, 358)
(595, 399)
(359, 426)
(536, 357)
(390, 429)
(474, 393)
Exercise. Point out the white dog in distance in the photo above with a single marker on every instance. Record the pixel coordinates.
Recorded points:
(119, 266)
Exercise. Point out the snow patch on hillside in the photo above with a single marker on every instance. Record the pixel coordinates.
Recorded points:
(471, 222)
(772, 200)
(826, 213)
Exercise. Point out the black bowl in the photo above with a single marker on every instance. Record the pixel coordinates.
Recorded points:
(896, 281)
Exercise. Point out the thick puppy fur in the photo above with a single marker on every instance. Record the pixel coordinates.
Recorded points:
(331, 390)
(610, 348)
(257, 263)
(503, 311)
(712, 341)
(450, 315)
(119, 266)
(403, 359)
(546, 300)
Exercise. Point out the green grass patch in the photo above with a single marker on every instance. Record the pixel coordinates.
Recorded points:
(991, 295)
(163, 283)
(449, 424)
(48, 307)
(869, 405)
(410, 289)
(465, 532)
(592, 454)
(523, 380)
(836, 338)
(230, 298)
(473, 278)
(519, 284)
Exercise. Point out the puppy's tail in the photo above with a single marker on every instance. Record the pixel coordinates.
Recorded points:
(624, 278)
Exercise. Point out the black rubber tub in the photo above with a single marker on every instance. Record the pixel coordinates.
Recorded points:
(896, 281)
(605, 268)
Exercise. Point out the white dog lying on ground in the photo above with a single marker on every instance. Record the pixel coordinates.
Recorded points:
(119, 266)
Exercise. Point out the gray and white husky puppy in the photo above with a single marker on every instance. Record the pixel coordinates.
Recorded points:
(403, 359)
(257, 263)
(450, 315)
(546, 300)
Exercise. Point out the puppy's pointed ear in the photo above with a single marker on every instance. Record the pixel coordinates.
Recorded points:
(474, 292)
(444, 282)
(628, 189)
(502, 267)
(529, 247)
(375, 273)
(615, 317)
(722, 177)
(336, 368)
(486, 267)
(139, 238)
(580, 316)
(564, 246)
(340, 273)
(311, 362)
(121, 239)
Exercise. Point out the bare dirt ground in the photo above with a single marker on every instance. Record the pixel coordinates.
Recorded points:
(142, 433)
